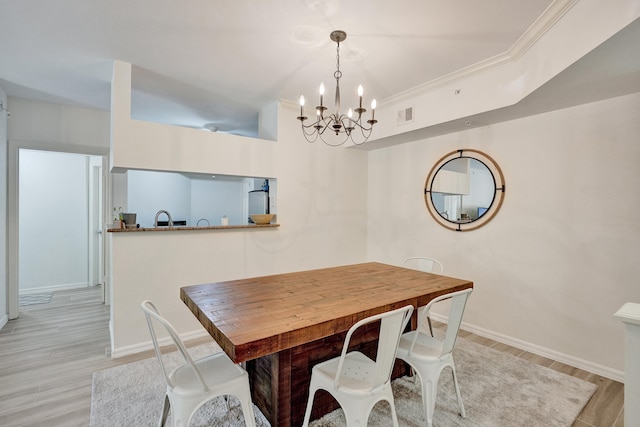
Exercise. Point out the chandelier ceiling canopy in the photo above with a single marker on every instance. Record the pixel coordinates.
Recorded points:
(351, 126)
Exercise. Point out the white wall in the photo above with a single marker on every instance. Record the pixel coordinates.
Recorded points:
(56, 125)
(150, 192)
(54, 220)
(561, 256)
(213, 198)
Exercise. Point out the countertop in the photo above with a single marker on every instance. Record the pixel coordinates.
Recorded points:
(191, 228)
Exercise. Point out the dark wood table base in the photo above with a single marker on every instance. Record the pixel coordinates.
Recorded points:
(280, 381)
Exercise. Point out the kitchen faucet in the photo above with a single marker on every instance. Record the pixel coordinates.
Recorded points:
(168, 216)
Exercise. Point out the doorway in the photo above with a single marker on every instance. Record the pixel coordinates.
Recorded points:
(56, 211)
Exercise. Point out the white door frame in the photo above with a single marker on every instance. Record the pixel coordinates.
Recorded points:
(96, 222)
(14, 148)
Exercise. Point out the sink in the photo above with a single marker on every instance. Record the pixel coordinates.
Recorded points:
(175, 223)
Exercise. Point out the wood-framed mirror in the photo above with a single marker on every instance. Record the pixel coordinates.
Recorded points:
(464, 190)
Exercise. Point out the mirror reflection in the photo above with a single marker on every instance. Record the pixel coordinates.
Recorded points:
(463, 190)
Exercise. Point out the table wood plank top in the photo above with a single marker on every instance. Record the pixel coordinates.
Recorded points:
(254, 317)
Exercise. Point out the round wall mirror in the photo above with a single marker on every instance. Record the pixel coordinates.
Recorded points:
(464, 190)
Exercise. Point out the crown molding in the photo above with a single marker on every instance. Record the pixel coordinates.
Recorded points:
(541, 26)
(552, 14)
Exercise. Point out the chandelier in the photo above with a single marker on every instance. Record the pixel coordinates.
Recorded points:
(344, 126)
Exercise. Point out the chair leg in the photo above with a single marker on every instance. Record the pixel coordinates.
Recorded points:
(165, 411)
(247, 411)
(307, 412)
(226, 401)
(394, 415)
(463, 414)
(430, 326)
(429, 393)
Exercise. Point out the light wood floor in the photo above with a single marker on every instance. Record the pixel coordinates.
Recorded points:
(48, 354)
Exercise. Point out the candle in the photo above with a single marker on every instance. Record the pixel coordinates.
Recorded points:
(360, 92)
(373, 109)
(301, 105)
(321, 92)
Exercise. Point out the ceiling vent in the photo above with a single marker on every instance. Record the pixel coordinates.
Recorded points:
(405, 116)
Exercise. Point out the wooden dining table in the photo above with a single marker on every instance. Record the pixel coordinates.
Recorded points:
(282, 325)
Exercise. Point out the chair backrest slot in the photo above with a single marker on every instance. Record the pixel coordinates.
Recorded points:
(152, 314)
(426, 264)
(392, 324)
(456, 311)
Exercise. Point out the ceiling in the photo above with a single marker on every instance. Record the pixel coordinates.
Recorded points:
(220, 62)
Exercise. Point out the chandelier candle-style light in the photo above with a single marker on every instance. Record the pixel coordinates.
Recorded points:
(343, 125)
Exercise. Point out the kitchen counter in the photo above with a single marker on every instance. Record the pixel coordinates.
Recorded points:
(191, 228)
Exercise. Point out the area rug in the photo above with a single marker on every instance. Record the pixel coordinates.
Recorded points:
(498, 389)
(31, 299)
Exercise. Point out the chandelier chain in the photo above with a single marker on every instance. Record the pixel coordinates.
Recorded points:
(337, 73)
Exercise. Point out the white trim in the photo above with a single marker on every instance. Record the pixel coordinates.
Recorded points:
(576, 362)
(148, 345)
(53, 288)
(544, 23)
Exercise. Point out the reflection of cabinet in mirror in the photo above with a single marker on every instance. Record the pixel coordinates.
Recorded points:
(453, 178)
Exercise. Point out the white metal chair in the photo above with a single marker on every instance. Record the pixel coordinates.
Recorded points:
(428, 265)
(428, 356)
(356, 381)
(196, 382)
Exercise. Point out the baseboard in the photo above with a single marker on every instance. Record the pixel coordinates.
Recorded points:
(3, 321)
(53, 288)
(576, 362)
(148, 345)
(586, 365)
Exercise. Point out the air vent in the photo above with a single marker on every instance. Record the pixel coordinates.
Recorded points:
(405, 115)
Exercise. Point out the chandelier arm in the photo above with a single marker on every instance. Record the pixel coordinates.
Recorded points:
(317, 124)
(335, 144)
(312, 125)
(366, 132)
(363, 128)
(311, 141)
(307, 135)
